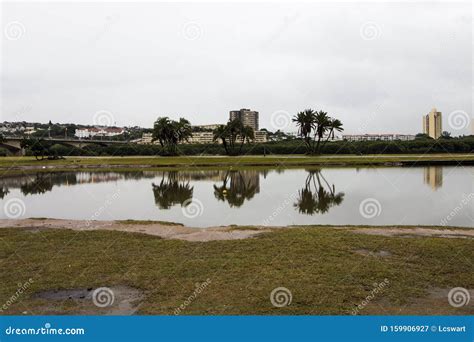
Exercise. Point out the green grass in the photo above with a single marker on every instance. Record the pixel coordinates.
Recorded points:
(14, 165)
(318, 265)
(149, 222)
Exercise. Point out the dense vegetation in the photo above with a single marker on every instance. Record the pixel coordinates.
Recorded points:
(296, 146)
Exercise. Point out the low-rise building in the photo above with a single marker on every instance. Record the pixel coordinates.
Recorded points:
(377, 137)
(206, 137)
(210, 127)
(91, 132)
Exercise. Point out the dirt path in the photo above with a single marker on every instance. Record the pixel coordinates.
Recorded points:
(163, 230)
(180, 232)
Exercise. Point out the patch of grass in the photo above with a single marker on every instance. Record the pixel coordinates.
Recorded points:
(318, 265)
(274, 160)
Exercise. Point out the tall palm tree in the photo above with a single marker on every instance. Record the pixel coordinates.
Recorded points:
(246, 134)
(306, 122)
(322, 121)
(221, 133)
(160, 130)
(334, 125)
(170, 133)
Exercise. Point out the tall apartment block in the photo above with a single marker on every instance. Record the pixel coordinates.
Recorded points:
(432, 124)
(247, 116)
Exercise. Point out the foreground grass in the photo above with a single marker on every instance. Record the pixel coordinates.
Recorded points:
(320, 266)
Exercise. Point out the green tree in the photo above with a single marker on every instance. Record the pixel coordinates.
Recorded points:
(312, 126)
(170, 133)
(246, 134)
(229, 134)
(40, 148)
(446, 135)
(220, 133)
(306, 123)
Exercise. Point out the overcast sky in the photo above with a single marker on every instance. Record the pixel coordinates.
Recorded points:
(377, 67)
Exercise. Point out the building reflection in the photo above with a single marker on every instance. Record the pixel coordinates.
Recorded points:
(43, 182)
(433, 176)
(317, 196)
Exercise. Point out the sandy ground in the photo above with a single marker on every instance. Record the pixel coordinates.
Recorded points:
(179, 232)
(157, 229)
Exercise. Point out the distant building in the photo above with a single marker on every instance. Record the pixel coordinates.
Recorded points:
(210, 127)
(201, 138)
(208, 138)
(247, 116)
(376, 137)
(91, 132)
(432, 124)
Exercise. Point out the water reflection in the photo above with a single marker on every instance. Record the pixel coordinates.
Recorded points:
(317, 196)
(433, 176)
(237, 187)
(256, 193)
(172, 190)
(41, 182)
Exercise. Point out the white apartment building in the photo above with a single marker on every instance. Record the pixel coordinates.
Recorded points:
(377, 137)
(98, 131)
(202, 138)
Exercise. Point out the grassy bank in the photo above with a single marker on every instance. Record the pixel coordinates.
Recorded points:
(9, 164)
(327, 270)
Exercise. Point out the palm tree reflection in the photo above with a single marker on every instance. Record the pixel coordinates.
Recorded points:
(237, 187)
(318, 196)
(171, 191)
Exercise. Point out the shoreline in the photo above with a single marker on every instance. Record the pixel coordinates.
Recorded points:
(16, 165)
(177, 231)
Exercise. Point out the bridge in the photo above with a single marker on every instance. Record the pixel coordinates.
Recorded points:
(13, 144)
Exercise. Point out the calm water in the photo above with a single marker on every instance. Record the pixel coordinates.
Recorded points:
(398, 196)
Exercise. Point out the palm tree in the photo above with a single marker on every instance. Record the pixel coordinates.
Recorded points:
(229, 133)
(306, 124)
(334, 125)
(160, 130)
(170, 133)
(221, 133)
(246, 134)
(322, 121)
